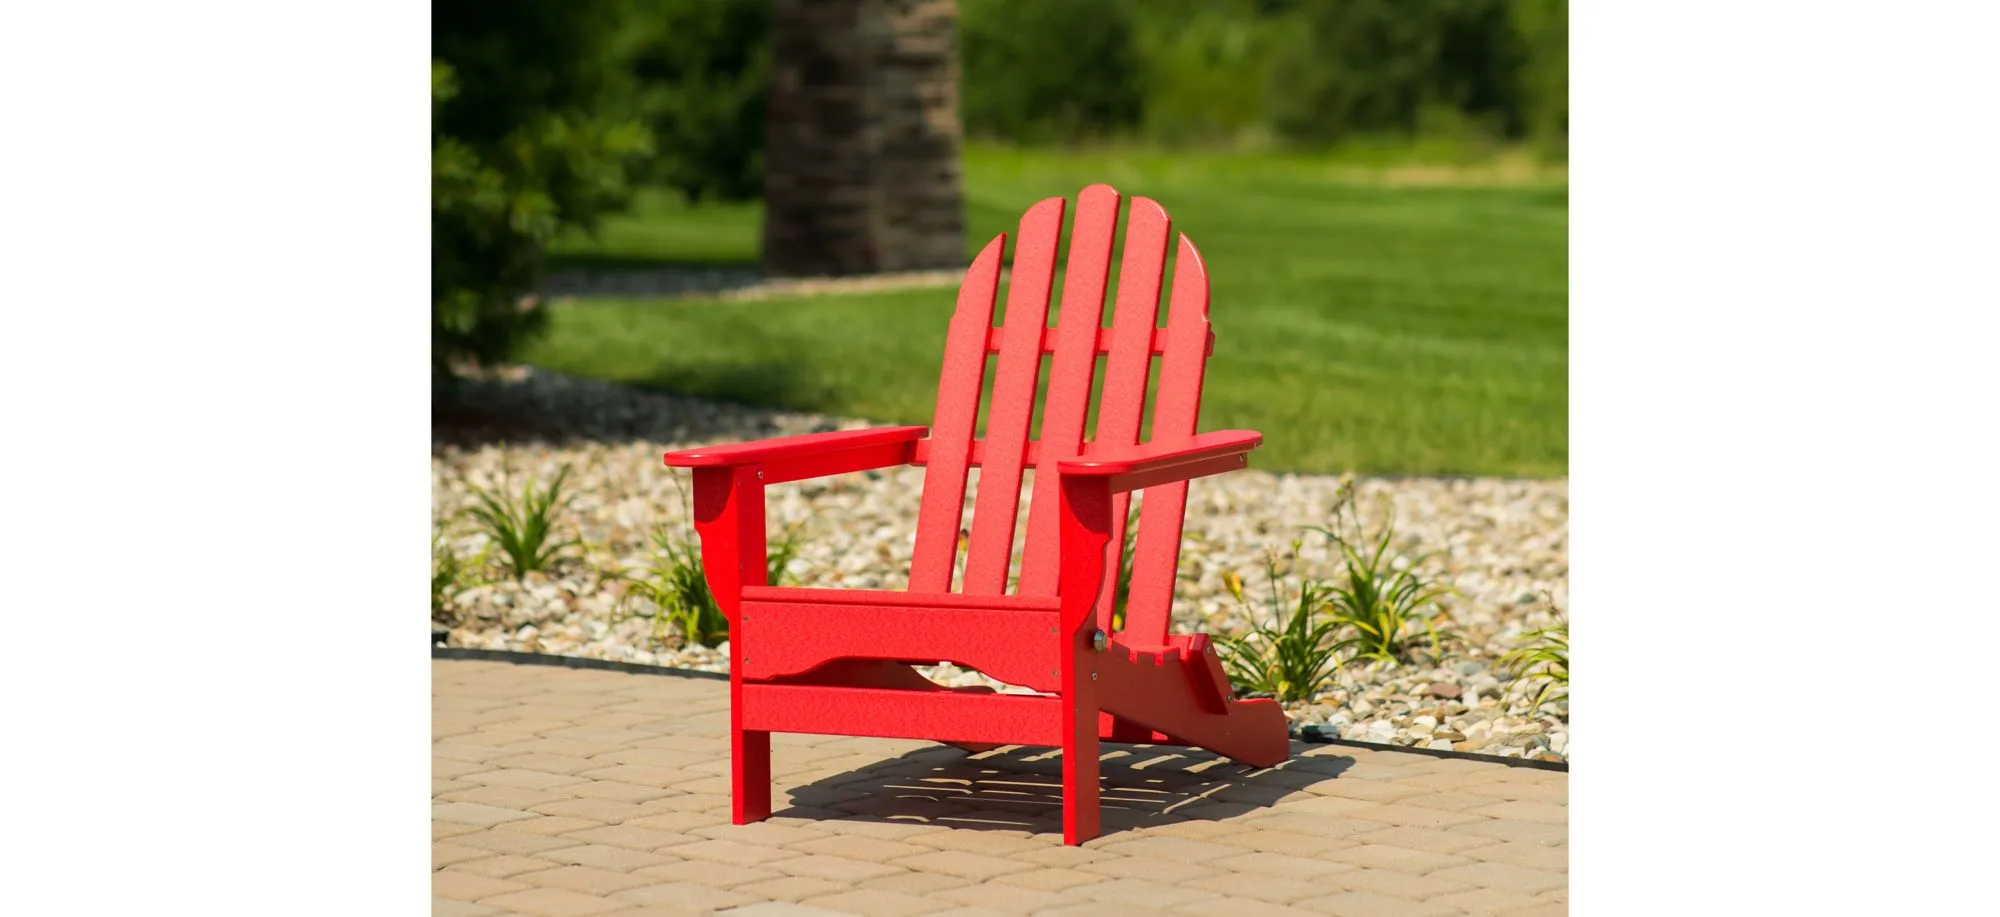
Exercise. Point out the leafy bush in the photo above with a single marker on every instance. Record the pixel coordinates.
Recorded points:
(531, 132)
(677, 587)
(1543, 27)
(1543, 656)
(1288, 653)
(1380, 607)
(1207, 68)
(524, 528)
(1046, 70)
(1360, 67)
(702, 68)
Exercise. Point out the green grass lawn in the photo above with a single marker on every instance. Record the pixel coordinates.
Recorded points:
(1379, 329)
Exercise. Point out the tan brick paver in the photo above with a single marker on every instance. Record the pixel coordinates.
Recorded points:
(1540, 812)
(500, 867)
(562, 792)
(685, 895)
(1149, 869)
(588, 879)
(1240, 885)
(1487, 901)
(520, 842)
(1507, 876)
(870, 901)
(1370, 904)
(465, 886)
(790, 888)
(603, 856)
(1240, 907)
(554, 902)
(446, 907)
(718, 875)
(549, 825)
(916, 883)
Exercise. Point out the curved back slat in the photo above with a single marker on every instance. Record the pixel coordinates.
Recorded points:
(998, 503)
(1071, 370)
(1074, 347)
(1132, 346)
(952, 425)
(1175, 413)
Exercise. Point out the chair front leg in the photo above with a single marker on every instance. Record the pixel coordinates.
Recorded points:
(1085, 537)
(729, 517)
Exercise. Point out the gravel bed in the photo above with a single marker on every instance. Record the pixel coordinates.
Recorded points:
(1502, 544)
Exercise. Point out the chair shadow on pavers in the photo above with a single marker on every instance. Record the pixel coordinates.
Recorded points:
(1017, 788)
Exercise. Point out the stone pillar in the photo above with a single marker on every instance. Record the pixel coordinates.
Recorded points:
(861, 159)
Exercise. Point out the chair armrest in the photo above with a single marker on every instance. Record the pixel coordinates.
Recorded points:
(1149, 464)
(791, 447)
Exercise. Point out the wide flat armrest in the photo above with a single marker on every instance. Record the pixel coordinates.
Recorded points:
(1147, 457)
(791, 447)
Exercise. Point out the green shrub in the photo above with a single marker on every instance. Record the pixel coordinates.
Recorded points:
(1397, 67)
(1288, 652)
(702, 67)
(531, 132)
(1543, 27)
(1207, 68)
(524, 528)
(1038, 71)
(1378, 606)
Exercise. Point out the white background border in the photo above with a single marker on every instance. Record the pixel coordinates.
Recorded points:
(1784, 398)
(1783, 454)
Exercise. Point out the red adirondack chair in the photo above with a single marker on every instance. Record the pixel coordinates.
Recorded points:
(838, 661)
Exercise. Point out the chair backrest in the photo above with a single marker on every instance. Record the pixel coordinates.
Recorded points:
(1128, 348)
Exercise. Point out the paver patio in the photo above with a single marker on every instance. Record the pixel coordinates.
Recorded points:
(560, 791)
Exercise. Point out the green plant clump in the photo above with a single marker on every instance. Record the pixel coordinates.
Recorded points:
(1380, 607)
(524, 528)
(1370, 611)
(450, 575)
(1543, 656)
(677, 587)
(1287, 653)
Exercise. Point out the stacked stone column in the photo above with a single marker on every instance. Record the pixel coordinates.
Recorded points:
(862, 168)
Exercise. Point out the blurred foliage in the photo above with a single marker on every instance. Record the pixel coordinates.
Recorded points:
(1302, 72)
(1397, 67)
(1046, 70)
(546, 114)
(701, 68)
(1543, 26)
(1207, 69)
(531, 132)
